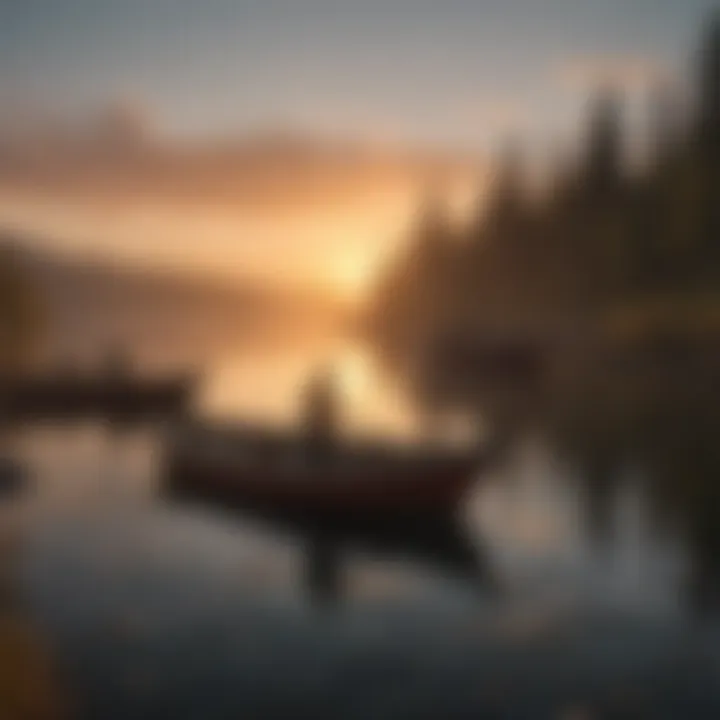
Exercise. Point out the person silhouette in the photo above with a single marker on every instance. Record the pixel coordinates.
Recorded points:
(323, 563)
(320, 413)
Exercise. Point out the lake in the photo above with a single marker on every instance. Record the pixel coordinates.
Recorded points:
(154, 610)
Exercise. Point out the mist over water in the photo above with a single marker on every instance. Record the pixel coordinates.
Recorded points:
(530, 511)
(155, 606)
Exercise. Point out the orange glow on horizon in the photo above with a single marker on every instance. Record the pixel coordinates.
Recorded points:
(335, 247)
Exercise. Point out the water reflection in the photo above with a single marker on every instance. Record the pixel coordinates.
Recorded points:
(132, 588)
(267, 388)
(153, 607)
(529, 514)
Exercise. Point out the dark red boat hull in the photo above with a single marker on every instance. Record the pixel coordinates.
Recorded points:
(417, 490)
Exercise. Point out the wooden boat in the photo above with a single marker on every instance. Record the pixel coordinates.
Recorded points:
(277, 472)
(72, 396)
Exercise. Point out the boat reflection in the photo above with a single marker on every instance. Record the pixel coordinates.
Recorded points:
(392, 501)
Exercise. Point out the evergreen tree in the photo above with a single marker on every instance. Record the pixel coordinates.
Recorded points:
(604, 154)
(709, 137)
(709, 82)
(411, 295)
(508, 201)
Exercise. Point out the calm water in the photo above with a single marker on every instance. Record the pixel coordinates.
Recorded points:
(154, 608)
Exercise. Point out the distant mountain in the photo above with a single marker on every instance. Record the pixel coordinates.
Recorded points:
(115, 158)
(158, 317)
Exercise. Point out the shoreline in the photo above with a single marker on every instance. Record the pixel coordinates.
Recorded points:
(28, 679)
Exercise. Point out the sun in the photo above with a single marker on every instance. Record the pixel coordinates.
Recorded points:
(353, 273)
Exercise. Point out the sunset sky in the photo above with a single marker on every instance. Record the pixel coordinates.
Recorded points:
(290, 139)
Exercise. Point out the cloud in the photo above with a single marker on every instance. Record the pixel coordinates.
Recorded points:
(277, 205)
(118, 157)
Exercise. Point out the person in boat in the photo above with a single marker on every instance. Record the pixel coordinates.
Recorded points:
(320, 414)
(117, 364)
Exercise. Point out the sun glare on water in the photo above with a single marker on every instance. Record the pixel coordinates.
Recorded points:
(355, 375)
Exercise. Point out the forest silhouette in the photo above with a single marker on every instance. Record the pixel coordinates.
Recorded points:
(590, 315)
(609, 252)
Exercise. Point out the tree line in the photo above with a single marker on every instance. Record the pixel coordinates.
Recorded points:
(605, 239)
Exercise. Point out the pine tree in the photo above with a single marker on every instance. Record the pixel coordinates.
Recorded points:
(604, 158)
(709, 81)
